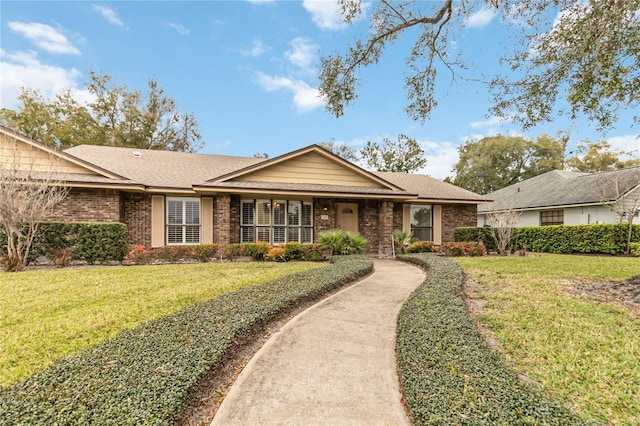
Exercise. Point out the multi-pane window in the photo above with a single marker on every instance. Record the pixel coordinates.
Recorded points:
(422, 222)
(183, 220)
(551, 217)
(276, 221)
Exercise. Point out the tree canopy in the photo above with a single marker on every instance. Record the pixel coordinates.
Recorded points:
(343, 151)
(599, 157)
(584, 52)
(498, 161)
(403, 155)
(115, 116)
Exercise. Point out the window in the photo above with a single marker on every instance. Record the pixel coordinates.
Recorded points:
(276, 221)
(552, 217)
(183, 220)
(422, 222)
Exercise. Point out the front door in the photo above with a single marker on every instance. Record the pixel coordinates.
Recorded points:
(348, 216)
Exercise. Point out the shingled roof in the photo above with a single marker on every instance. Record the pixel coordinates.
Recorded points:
(161, 169)
(169, 170)
(561, 188)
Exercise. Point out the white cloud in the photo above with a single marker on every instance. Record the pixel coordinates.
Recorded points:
(45, 37)
(441, 157)
(256, 50)
(303, 54)
(109, 14)
(23, 69)
(305, 97)
(181, 29)
(481, 18)
(491, 122)
(626, 143)
(325, 14)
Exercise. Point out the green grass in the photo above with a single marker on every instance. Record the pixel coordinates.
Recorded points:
(45, 315)
(582, 351)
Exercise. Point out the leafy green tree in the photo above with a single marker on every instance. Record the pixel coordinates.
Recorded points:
(403, 155)
(115, 116)
(599, 157)
(584, 52)
(498, 161)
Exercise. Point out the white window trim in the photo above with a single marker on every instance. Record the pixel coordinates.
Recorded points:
(183, 225)
(301, 226)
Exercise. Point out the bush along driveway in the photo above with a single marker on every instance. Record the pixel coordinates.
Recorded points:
(449, 373)
(147, 374)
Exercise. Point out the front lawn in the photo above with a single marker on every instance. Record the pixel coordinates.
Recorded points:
(584, 352)
(151, 373)
(47, 314)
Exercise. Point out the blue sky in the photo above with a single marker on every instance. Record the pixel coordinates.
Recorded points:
(248, 71)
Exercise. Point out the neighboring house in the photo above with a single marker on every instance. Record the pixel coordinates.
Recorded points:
(560, 197)
(169, 197)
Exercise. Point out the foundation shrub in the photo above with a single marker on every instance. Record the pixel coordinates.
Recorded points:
(256, 251)
(423, 247)
(146, 375)
(449, 374)
(340, 242)
(463, 249)
(276, 254)
(89, 241)
(140, 255)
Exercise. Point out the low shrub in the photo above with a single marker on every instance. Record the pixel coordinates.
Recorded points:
(463, 249)
(449, 374)
(566, 239)
(256, 251)
(147, 374)
(276, 254)
(140, 255)
(88, 241)
(61, 257)
(423, 247)
(634, 249)
(340, 242)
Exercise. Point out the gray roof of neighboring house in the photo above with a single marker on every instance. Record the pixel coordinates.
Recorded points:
(564, 188)
(179, 170)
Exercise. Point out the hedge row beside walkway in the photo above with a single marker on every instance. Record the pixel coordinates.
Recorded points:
(449, 374)
(146, 375)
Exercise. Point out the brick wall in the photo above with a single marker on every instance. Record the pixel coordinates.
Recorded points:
(221, 219)
(368, 224)
(89, 205)
(136, 213)
(455, 216)
(234, 219)
(320, 224)
(385, 227)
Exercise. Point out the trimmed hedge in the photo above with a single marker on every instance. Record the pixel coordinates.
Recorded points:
(598, 238)
(449, 374)
(146, 375)
(89, 241)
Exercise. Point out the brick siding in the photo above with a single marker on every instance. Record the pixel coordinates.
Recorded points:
(455, 216)
(137, 216)
(88, 205)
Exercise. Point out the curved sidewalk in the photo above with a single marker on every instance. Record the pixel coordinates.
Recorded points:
(333, 364)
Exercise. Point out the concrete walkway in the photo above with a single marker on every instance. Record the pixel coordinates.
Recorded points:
(333, 364)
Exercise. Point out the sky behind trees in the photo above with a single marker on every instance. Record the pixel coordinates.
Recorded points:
(248, 70)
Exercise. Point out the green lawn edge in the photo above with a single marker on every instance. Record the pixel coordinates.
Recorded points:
(448, 372)
(146, 375)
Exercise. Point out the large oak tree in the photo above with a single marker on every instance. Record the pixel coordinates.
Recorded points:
(115, 116)
(584, 52)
